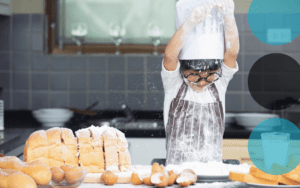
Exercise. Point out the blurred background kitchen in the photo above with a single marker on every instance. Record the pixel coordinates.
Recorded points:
(68, 58)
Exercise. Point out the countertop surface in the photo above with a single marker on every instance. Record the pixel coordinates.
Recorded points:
(198, 185)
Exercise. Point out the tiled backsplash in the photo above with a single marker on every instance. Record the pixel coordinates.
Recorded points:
(33, 80)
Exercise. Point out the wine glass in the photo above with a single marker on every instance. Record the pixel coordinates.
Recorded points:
(155, 33)
(117, 31)
(79, 30)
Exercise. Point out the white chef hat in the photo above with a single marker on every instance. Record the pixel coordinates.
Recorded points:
(206, 40)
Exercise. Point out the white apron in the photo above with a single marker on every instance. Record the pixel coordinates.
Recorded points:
(194, 130)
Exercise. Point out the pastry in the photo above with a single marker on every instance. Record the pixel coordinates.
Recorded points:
(172, 178)
(111, 150)
(87, 155)
(15, 179)
(147, 181)
(74, 174)
(38, 170)
(55, 147)
(260, 174)
(69, 147)
(160, 179)
(58, 174)
(97, 148)
(97, 143)
(124, 156)
(37, 147)
(186, 178)
(135, 179)
(55, 156)
(109, 178)
(156, 168)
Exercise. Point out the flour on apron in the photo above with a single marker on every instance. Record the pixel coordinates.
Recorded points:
(194, 130)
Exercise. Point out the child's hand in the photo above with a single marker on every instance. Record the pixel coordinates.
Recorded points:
(199, 14)
(225, 7)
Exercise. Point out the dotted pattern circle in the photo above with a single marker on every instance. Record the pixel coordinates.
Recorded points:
(273, 81)
(275, 22)
(273, 146)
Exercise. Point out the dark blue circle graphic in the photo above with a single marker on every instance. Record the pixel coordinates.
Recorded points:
(275, 22)
(273, 146)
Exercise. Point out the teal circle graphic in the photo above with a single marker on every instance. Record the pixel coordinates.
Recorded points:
(275, 22)
(274, 146)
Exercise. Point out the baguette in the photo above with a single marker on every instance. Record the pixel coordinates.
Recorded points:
(15, 179)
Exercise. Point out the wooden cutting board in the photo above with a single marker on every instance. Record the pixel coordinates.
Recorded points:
(123, 177)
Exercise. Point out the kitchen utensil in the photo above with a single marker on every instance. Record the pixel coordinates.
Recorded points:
(251, 120)
(52, 117)
(87, 110)
(272, 186)
(230, 118)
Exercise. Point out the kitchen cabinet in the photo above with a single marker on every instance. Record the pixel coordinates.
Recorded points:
(143, 150)
(238, 149)
(5, 7)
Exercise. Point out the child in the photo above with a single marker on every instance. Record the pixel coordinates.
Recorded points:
(195, 86)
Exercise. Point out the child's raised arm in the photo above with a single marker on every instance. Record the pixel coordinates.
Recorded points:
(226, 8)
(176, 43)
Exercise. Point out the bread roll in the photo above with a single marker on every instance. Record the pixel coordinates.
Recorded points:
(37, 147)
(70, 147)
(55, 147)
(38, 170)
(58, 174)
(15, 179)
(111, 150)
(109, 178)
(74, 175)
(97, 143)
(160, 179)
(135, 179)
(172, 178)
(147, 181)
(97, 148)
(124, 156)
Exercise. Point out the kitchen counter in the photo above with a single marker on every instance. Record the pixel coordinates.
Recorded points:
(198, 185)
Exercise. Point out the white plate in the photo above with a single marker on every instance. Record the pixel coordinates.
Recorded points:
(271, 186)
(214, 178)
